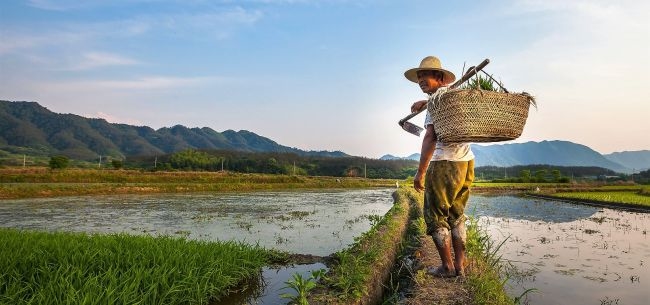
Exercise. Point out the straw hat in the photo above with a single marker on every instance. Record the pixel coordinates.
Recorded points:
(431, 63)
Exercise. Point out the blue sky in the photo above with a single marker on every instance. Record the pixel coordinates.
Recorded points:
(328, 75)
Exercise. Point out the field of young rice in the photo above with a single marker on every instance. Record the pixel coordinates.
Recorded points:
(77, 268)
(613, 196)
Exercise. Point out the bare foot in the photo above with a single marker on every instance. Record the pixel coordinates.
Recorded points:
(441, 271)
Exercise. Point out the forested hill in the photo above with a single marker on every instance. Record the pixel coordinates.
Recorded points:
(28, 124)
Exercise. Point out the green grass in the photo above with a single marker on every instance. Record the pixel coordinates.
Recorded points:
(76, 268)
(645, 191)
(358, 268)
(41, 182)
(486, 270)
(516, 185)
(629, 197)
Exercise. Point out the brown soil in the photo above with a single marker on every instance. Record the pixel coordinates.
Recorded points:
(427, 289)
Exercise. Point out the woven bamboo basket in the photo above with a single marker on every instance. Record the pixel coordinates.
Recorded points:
(472, 115)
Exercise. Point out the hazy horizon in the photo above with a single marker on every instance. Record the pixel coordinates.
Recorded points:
(328, 75)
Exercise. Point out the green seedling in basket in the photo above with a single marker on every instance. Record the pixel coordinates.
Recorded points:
(417, 130)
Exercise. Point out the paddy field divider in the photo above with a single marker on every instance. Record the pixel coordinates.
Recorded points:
(358, 273)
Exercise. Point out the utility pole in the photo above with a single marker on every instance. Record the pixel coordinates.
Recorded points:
(365, 171)
(222, 165)
(99, 165)
(155, 162)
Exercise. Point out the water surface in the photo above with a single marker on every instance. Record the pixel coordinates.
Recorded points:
(573, 254)
(316, 222)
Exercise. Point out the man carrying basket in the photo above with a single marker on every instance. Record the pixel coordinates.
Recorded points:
(449, 171)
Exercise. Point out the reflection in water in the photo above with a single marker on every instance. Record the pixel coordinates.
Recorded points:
(530, 209)
(268, 289)
(319, 222)
(573, 254)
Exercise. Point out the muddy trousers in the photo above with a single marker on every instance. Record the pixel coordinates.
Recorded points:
(446, 193)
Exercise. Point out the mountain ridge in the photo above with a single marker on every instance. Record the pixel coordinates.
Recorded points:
(29, 124)
(554, 152)
(636, 160)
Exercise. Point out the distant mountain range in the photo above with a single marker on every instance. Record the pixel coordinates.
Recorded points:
(636, 160)
(28, 124)
(562, 153)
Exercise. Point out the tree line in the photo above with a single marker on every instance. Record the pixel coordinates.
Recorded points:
(276, 163)
(293, 164)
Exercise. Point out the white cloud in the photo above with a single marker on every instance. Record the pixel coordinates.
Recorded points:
(586, 71)
(142, 83)
(54, 5)
(91, 60)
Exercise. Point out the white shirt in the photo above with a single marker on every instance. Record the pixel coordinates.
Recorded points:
(447, 151)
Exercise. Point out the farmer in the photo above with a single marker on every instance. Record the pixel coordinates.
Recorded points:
(449, 171)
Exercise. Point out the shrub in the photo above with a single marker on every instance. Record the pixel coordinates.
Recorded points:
(117, 164)
(59, 162)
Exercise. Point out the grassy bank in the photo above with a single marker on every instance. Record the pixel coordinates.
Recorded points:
(41, 182)
(621, 197)
(484, 284)
(486, 274)
(71, 268)
(359, 272)
(553, 187)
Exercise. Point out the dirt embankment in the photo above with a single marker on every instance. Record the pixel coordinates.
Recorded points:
(405, 254)
(358, 274)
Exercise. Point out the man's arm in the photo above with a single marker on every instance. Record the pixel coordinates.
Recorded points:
(428, 146)
(419, 105)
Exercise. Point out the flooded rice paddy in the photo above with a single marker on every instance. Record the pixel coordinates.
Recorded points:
(572, 254)
(318, 223)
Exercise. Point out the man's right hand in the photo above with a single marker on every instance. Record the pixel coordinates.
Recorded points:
(417, 182)
(419, 105)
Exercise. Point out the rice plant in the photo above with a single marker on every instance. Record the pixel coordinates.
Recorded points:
(480, 82)
(486, 276)
(76, 268)
(302, 286)
(630, 197)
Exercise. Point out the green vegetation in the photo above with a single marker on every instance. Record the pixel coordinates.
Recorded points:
(514, 185)
(302, 286)
(117, 164)
(59, 162)
(627, 197)
(544, 173)
(360, 270)
(70, 268)
(486, 270)
(645, 191)
(481, 82)
(18, 183)
(642, 177)
(276, 163)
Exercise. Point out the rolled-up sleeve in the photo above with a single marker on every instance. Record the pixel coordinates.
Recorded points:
(427, 119)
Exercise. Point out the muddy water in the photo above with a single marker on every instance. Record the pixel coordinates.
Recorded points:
(318, 223)
(572, 254)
